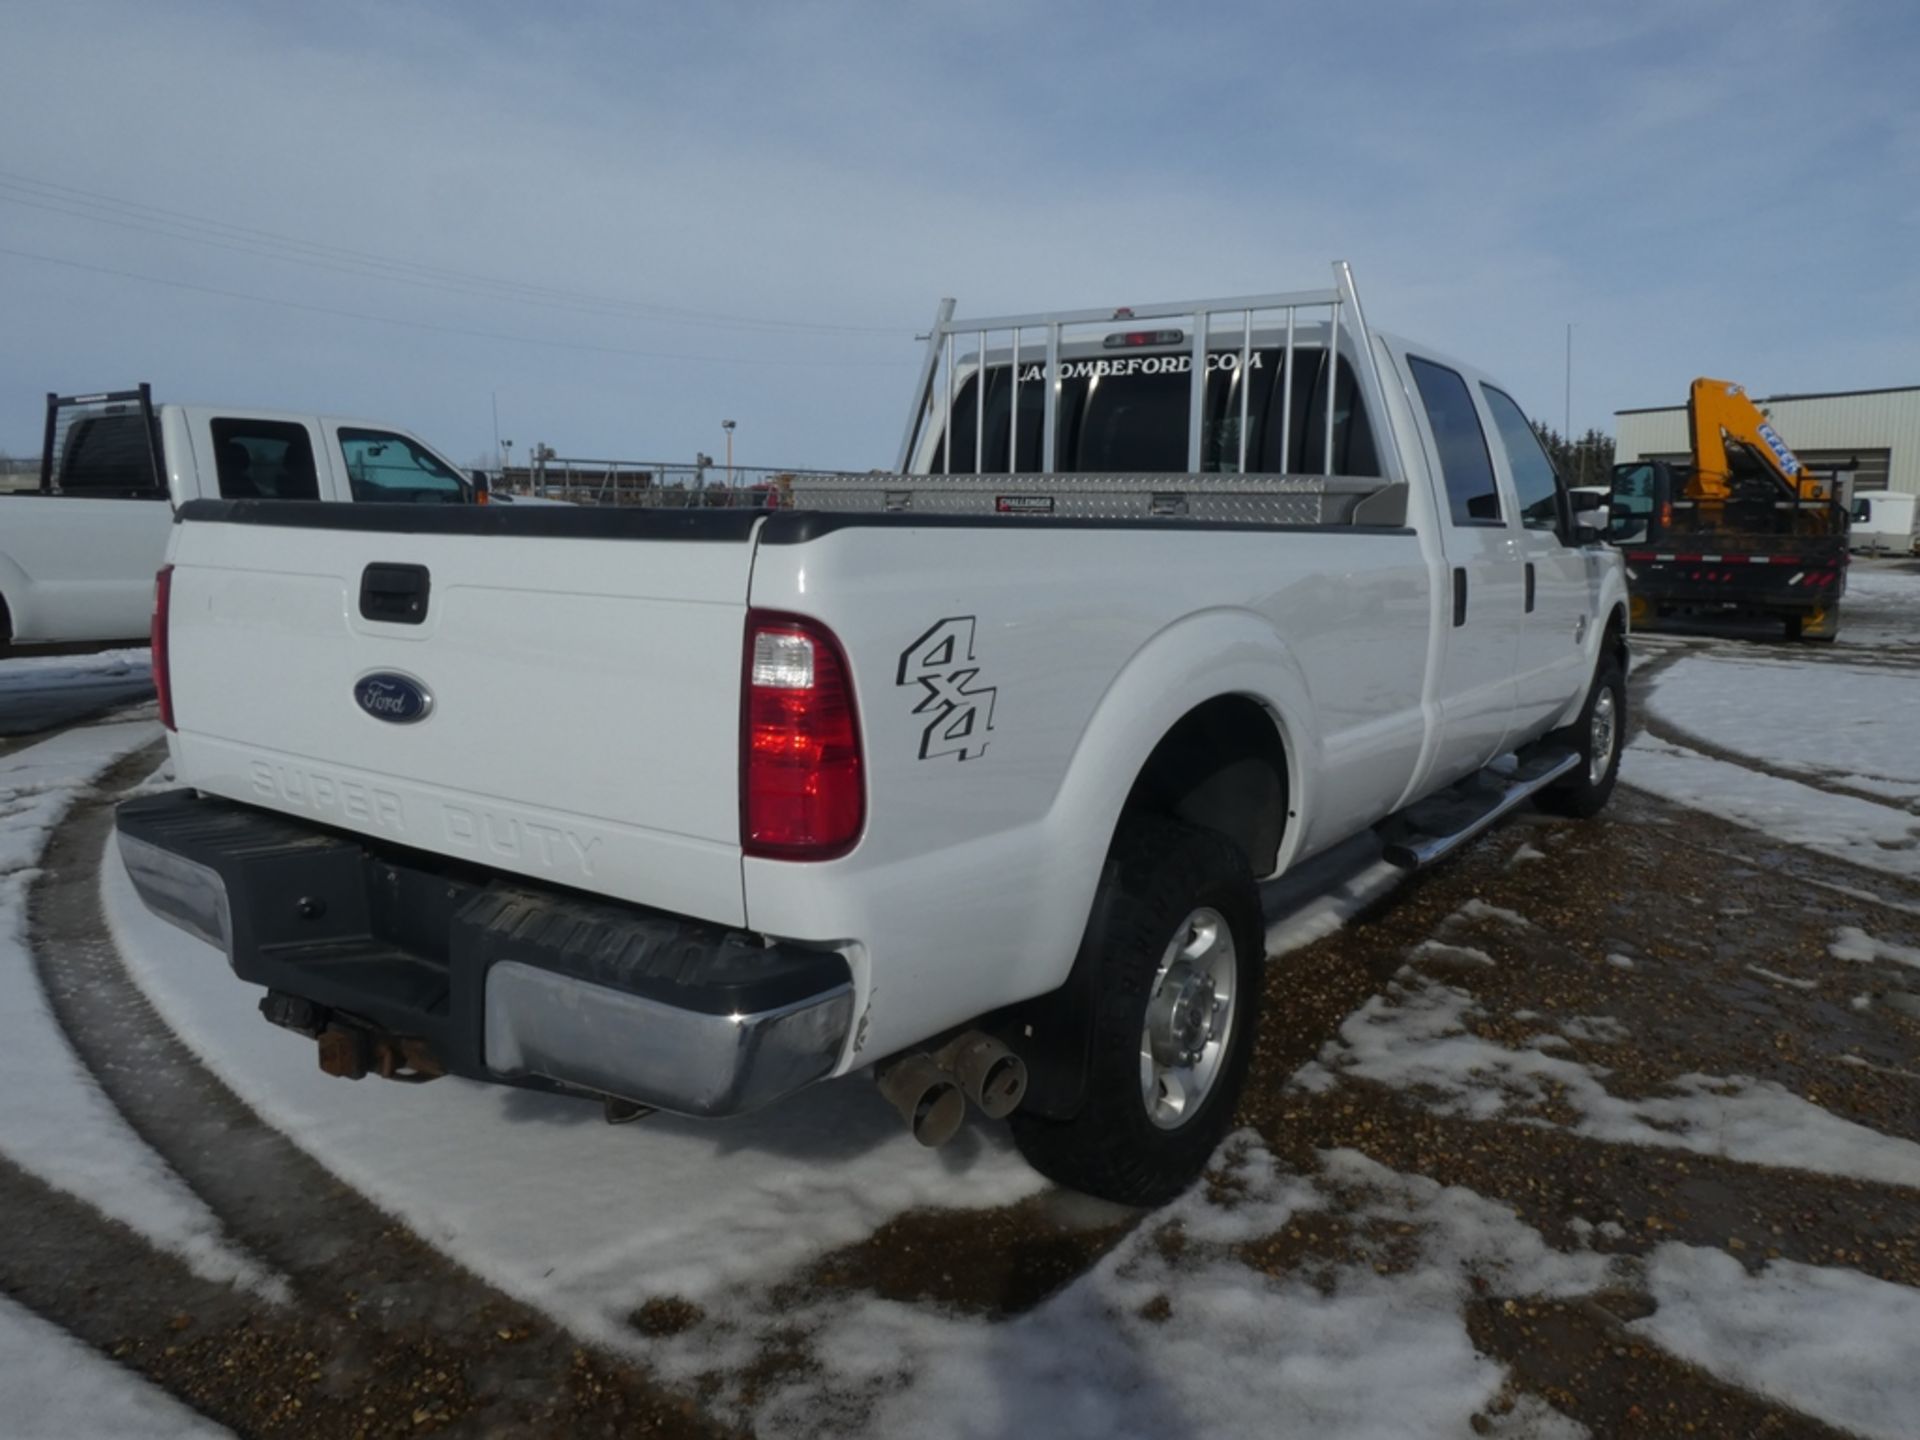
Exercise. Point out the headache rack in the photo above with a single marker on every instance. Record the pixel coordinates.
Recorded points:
(105, 445)
(1178, 334)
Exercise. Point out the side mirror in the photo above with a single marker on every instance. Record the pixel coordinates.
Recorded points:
(481, 486)
(1589, 525)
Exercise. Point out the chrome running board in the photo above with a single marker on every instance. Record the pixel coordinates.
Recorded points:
(1431, 828)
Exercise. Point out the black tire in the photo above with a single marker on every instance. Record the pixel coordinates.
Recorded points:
(1583, 793)
(1157, 875)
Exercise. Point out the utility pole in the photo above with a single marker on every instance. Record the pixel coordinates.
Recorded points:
(1566, 414)
(499, 454)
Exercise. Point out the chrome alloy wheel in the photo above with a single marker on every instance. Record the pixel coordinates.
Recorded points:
(1603, 733)
(1189, 1019)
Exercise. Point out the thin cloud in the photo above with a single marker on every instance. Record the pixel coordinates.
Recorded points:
(1493, 171)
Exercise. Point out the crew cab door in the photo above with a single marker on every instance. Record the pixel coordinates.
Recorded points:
(1552, 665)
(1485, 593)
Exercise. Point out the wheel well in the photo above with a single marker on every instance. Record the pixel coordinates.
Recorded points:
(1222, 767)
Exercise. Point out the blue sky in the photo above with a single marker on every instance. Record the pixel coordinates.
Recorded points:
(745, 211)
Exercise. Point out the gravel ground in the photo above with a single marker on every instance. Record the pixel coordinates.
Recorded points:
(1653, 943)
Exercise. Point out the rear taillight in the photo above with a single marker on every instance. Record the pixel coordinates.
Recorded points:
(802, 794)
(162, 675)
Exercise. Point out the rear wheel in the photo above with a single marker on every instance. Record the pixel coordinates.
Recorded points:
(1176, 945)
(1597, 735)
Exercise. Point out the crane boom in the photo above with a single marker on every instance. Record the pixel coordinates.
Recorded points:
(1719, 413)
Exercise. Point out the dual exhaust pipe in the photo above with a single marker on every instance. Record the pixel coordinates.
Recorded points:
(932, 1090)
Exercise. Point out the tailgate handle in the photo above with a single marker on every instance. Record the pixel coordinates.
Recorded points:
(396, 594)
(1459, 595)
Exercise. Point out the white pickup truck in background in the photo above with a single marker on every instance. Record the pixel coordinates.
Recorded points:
(968, 773)
(77, 558)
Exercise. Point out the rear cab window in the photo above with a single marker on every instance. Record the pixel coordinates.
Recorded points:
(1473, 496)
(1129, 414)
(383, 467)
(263, 459)
(108, 454)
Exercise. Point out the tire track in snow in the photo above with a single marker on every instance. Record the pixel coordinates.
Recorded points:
(379, 1286)
(1646, 681)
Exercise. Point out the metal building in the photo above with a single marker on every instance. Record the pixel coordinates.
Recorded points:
(1879, 428)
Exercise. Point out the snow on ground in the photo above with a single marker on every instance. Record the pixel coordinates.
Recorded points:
(537, 1194)
(56, 1121)
(1419, 1037)
(1183, 1338)
(1882, 605)
(56, 1388)
(1846, 723)
(1850, 942)
(1834, 1343)
(1824, 719)
(1878, 837)
(721, 1213)
(1438, 954)
(1478, 909)
(21, 671)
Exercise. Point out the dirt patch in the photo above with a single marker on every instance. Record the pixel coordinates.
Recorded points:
(996, 1262)
(666, 1315)
(1576, 1357)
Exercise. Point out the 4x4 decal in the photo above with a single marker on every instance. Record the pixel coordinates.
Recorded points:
(959, 711)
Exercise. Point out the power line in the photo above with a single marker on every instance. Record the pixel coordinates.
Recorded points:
(442, 329)
(106, 209)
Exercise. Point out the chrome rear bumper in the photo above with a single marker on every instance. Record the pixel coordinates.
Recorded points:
(500, 982)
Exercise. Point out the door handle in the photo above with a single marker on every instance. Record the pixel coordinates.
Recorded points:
(1459, 595)
(1529, 587)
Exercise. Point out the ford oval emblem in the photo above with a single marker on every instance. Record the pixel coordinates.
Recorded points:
(395, 698)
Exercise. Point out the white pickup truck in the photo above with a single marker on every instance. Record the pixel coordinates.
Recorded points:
(77, 558)
(967, 773)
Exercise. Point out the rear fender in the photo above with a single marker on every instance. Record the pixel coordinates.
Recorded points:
(16, 602)
(1202, 657)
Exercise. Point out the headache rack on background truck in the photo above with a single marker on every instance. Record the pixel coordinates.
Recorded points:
(1173, 334)
(104, 445)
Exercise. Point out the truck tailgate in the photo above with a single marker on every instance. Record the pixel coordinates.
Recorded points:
(584, 692)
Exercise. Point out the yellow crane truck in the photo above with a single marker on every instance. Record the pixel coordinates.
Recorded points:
(1743, 529)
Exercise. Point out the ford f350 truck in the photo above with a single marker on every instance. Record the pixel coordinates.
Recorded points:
(77, 558)
(967, 773)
